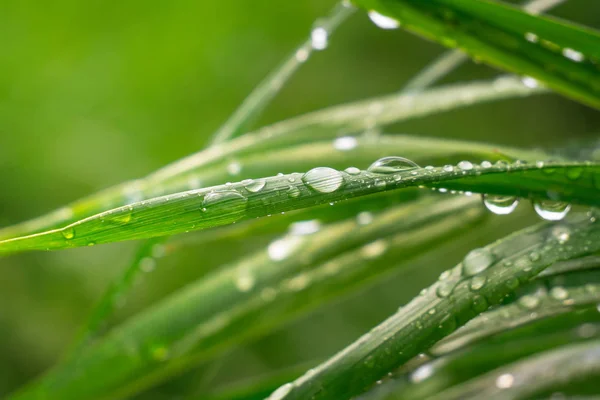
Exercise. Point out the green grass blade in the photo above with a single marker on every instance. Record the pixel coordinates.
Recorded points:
(561, 55)
(226, 204)
(352, 118)
(445, 305)
(535, 376)
(254, 104)
(295, 274)
(452, 59)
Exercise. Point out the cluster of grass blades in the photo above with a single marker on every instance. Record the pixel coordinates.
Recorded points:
(517, 318)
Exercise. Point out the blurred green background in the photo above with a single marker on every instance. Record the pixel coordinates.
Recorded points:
(94, 93)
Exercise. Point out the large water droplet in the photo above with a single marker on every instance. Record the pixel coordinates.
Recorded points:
(319, 38)
(551, 210)
(254, 185)
(323, 179)
(476, 261)
(382, 21)
(465, 165)
(68, 233)
(392, 165)
(500, 205)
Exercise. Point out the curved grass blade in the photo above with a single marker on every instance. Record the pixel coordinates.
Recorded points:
(187, 173)
(535, 376)
(272, 84)
(295, 274)
(452, 59)
(225, 204)
(449, 303)
(561, 55)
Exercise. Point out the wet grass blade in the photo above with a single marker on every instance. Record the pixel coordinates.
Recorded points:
(294, 274)
(448, 303)
(559, 54)
(225, 204)
(190, 172)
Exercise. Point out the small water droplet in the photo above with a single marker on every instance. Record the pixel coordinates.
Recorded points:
(280, 249)
(352, 171)
(68, 233)
(234, 168)
(476, 261)
(392, 165)
(302, 55)
(561, 233)
(486, 164)
(534, 256)
(422, 373)
(559, 293)
(380, 184)
(551, 210)
(500, 205)
(505, 381)
(254, 185)
(382, 21)
(293, 192)
(364, 218)
(345, 143)
(230, 200)
(477, 282)
(573, 55)
(448, 168)
(374, 249)
(530, 82)
(319, 38)
(531, 37)
(465, 165)
(305, 227)
(529, 302)
(244, 281)
(444, 289)
(323, 179)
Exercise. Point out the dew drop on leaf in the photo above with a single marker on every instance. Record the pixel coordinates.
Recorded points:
(476, 261)
(68, 233)
(477, 282)
(345, 143)
(551, 210)
(323, 179)
(465, 165)
(529, 302)
(254, 185)
(500, 205)
(392, 165)
(319, 38)
(352, 171)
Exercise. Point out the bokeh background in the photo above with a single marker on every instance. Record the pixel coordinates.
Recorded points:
(97, 92)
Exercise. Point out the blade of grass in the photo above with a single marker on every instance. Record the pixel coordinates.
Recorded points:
(443, 306)
(561, 55)
(452, 59)
(295, 274)
(226, 204)
(535, 376)
(254, 104)
(329, 123)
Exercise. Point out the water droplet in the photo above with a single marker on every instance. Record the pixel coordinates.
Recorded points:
(374, 249)
(534, 256)
(529, 302)
(529, 82)
(476, 261)
(479, 304)
(352, 171)
(392, 165)
(305, 227)
(364, 218)
(281, 392)
(559, 293)
(293, 192)
(551, 210)
(486, 164)
(302, 55)
(573, 55)
(254, 185)
(382, 21)
(323, 179)
(234, 168)
(345, 143)
(561, 233)
(500, 205)
(444, 289)
(244, 281)
(229, 200)
(68, 233)
(422, 373)
(465, 165)
(505, 381)
(477, 283)
(319, 38)
(380, 184)
(147, 264)
(448, 168)
(280, 249)
(531, 37)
